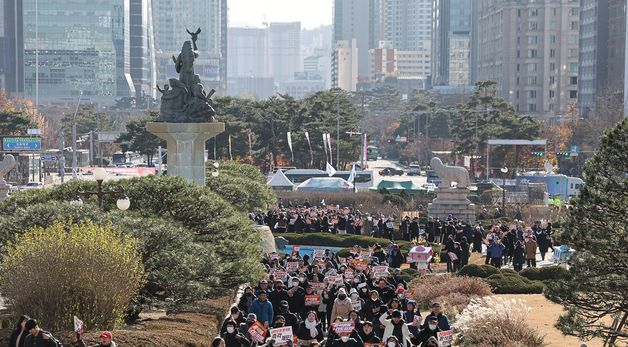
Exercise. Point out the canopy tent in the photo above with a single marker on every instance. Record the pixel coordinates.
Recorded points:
(325, 185)
(397, 187)
(279, 181)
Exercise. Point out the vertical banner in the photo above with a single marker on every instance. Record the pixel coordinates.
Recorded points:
(325, 145)
(364, 151)
(352, 175)
(307, 137)
(250, 144)
(230, 156)
(331, 157)
(290, 145)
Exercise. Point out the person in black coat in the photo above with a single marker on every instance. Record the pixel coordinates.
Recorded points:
(235, 315)
(290, 318)
(543, 242)
(368, 334)
(19, 332)
(310, 330)
(518, 255)
(431, 330)
(465, 253)
(232, 337)
(477, 239)
(37, 337)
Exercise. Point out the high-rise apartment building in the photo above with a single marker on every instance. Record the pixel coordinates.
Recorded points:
(171, 18)
(142, 48)
(530, 48)
(284, 48)
(406, 24)
(77, 46)
(451, 42)
(11, 47)
(359, 20)
(602, 51)
(388, 60)
(344, 65)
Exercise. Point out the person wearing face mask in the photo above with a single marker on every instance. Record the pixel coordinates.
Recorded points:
(431, 342)
(372, 305)
(443, 322)
(368, 334)
(297, 295)
(346, 340)
(395, 326)
(235, 315)
(430, 331)
(310, 331)
(342, 305)
(234, 338)
(278, 295)
(356, 301)
(246, 300)
(392, 342)
(412, 317)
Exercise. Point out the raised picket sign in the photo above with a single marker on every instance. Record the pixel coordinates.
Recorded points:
(312, 299)
(380, 271)
(258, 332)
(281, 336)
(343, 327)
(445, 338)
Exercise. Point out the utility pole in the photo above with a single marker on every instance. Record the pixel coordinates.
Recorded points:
(338, 134)
(91, 147)
(61, 159)
(74, 162)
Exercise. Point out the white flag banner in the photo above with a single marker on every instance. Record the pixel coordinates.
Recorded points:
(330, 169)
(352, 175)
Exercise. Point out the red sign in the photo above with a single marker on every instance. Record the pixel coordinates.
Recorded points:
(123, 171)
(258, 331)
(312, 299)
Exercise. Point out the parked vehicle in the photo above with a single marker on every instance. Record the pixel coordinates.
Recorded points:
(430, 187)
(390, 171)
(414, 170)
(32, 185)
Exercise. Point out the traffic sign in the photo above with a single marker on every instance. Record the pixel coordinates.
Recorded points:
(48, 157)
(18, 143)
(575, 150)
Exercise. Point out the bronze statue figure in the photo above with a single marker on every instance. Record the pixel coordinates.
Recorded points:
(184, 100)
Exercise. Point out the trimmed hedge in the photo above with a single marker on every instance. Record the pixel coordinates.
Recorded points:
(513, 284)
(482, 271)
(409, 274)
(548, 273)
(334, 240)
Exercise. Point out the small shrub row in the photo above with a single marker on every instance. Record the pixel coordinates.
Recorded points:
(334, 240)
(481, 271)
(548, 273)
(513, 283)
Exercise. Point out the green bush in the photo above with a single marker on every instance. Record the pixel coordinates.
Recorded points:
(513, 284)
(482, 271)
(334, 240)
(508, 272)
(410, 274)
(86, 270)
(548, 273)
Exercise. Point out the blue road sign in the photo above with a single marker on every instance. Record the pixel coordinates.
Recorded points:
(18, 144)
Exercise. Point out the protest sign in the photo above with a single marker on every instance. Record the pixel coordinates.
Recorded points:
(365, 255)
(336, 279)
(357, 305)
(280, 275)
(281, 336)
(292, 266)
(296, 249)
(78, 326)
(380, 271)
(343, 327)
(273, 256)
(258, 331)
(452, 256)
(361, 264)
(318, 253)
(318, 287)
(349, 275)
(312, 299)
(445, 338)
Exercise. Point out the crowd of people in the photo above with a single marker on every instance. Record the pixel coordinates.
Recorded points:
(333, 302)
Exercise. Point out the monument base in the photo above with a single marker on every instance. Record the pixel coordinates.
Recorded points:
(4, 191)
(452, 201)
(186, 147)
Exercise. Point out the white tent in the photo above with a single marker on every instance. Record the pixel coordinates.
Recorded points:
(325, 184)
(279, 181)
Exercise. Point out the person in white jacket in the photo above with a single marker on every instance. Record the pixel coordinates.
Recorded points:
(395, 326)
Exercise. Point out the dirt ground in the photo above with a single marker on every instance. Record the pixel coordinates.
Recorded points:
(542, 317)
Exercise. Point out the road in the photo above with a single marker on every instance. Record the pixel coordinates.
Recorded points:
(380, 164)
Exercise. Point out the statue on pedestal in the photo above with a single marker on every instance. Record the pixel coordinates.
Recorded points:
(184, 100)
(450, 174)
(6, 165)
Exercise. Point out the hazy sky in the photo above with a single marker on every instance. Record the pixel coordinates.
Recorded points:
(311, 13)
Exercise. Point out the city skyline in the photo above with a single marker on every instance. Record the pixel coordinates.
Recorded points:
(311, 13)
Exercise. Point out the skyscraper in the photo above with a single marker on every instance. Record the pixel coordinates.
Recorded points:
(11, 47)
(284, 48)
(171, 18)
(451, 42)
(359, 20)
(406, 24)
(142, 52)
(344, 65)
(531, 50)
(77, 45)
(248, 52)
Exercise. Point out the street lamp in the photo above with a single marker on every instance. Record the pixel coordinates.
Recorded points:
(215, 173)
(504, 171)
(100, 175)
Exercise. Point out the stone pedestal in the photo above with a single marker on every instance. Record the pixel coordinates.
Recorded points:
(186, 147)
(4, 190)
(452, 201)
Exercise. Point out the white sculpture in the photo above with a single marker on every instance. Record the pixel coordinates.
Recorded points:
(6, 165)
(450, 174)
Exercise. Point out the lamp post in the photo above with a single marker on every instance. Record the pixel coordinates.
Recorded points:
(504, 171)
(100, 174)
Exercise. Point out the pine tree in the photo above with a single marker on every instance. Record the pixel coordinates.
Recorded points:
(596, 293)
